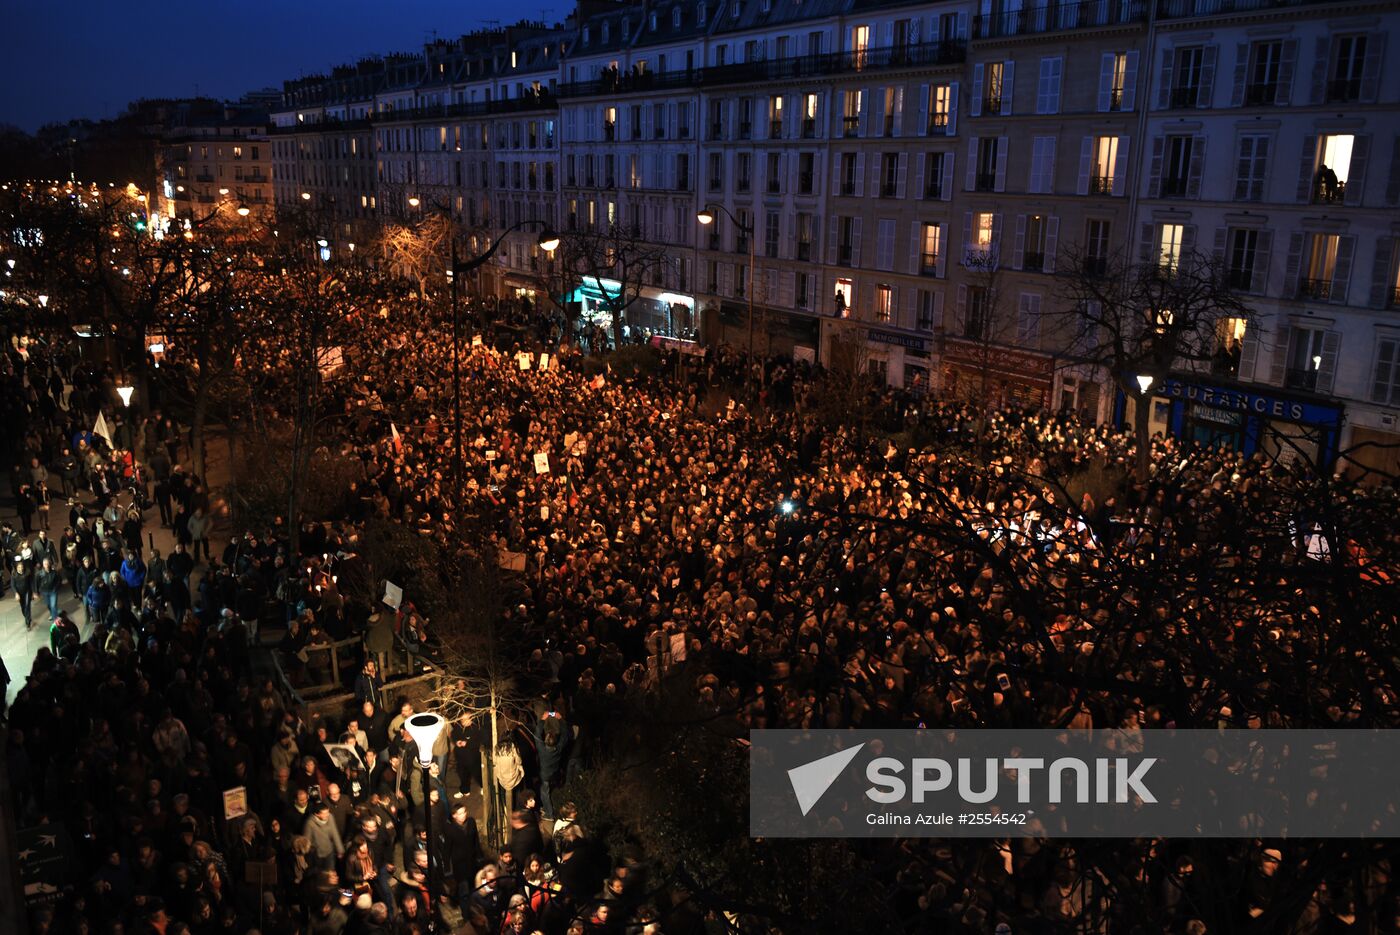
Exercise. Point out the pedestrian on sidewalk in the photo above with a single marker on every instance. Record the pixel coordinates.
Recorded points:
(24, 506)
(23, 583)
(41, 503)
(199, 524)
(46, 585)
(67, 469)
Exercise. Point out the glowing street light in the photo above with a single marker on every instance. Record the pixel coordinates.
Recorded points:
(125, 393)
(305, 196)
(549, 241)
(414, 201)
(243, 211)
(43, 301)
(705, 217)
(1145, 381)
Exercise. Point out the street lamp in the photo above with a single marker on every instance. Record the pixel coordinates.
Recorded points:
(424, 729)
(243, 210)
(125, 393)
(414, 201)
(43, 301)
(706, 216)
(305, 196)
(1145, 381)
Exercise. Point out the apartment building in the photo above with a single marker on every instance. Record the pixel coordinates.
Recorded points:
(1273, 142)
(918, 179)
(216, 163)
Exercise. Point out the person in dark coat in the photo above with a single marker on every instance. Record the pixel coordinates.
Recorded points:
(463, 848)
(525, 837)
(23, 583)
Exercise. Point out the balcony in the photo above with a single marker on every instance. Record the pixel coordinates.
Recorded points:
(744, 184)
(804, 183)
(888, 189)
(809, 128)
(1173, 187)
(1095, 266)
(1395, 297)
(609, 131)
(1259, 95)
(1343, 90)
(850, 126)
(933, 186)
(1239, 279)
(1053, 17)
(774, 187)
(804, 250)
(1101, 185)
(848, 186)
(1115, 98)
(717, 131)
(716, 184)
(683, 132)
(204, 177)
(1296, 379)
(775, 129)
(610, 183)
(683, 183)
(986, 181)
(658, 133)
(991, 105)
(741, 245)
(843, 254)
(928, 264)
(1320, 289)
(746, 129)
(1324, 194)
(1033, 262)
(937, 122)
(1184, 97)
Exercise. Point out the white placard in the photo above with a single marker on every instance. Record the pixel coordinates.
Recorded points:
(541, 463)
(476, 340)
(393, 594)
(544, 361)
(524, 360)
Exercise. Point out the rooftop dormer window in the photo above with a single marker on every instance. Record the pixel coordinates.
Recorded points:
(585, 35)
(675, 17)
(651, 22)
(737, 9)
(605, 32)
(700, 13)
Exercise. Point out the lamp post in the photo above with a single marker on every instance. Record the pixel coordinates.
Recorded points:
(707, 216)
(424, 729)
(125, 393)
(548, 241)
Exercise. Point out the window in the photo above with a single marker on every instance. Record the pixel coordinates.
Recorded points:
(1262, 78)
(806, 173)
(1096, 247)
(892, 103)
(700, 13)
(1306, 356)
(1243, 256)
(934, 164)
(744, 170)
(802, 291)
(1169, 240)
(1047, 97)
(1177, 168)
(983, 238)
(1102, 182)
(860, 43)
(770, 235)
(1385, 387)
(940, 105)
(1334, 155)
(1229, 343)
(1348, 65)
(804, 235)
(1033, 259)
(716, 120)
(927, 310)
(1042, 165)
(775, 117)
(987, 152)
(889, 175)
(1251, 168)
(930, 249)
(1321, 270)
(884, 303)
(992, 87)
(1186, 85)
(852, 104)
(609, 122)
(844, 295)
(676, 17)
(683, 172)
(1118, 79)
(809, 116)
(845, 248)
(716, 172)
(848, 173)
(1028, 320)
(745, 118)
(976, 323)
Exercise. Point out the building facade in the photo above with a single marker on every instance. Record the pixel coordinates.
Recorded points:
(215, 163)
(910, 182)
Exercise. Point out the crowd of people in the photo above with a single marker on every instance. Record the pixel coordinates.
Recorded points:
(787, 571)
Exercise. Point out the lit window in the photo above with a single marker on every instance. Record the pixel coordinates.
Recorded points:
(984, 229)
(884, 303)
(1169, 247)
(845, 293)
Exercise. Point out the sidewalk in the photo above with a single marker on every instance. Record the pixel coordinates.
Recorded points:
(18, 647)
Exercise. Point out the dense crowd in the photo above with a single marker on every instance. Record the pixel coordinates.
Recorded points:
(788, 572)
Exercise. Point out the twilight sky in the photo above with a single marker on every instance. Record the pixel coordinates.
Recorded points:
(89, 58)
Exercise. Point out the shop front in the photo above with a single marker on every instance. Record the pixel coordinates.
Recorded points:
(1002, 376)
(1285, 426)
(652, 311)
(908, 358)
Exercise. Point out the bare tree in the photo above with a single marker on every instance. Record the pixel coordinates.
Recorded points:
(619, 261)
(1144, 320)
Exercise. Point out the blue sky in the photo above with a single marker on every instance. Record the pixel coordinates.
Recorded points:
(89, 58)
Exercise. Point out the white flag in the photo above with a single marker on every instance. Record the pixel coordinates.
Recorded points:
(101, 430)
